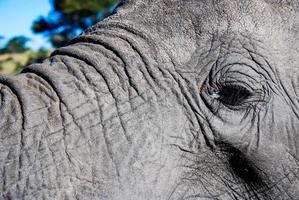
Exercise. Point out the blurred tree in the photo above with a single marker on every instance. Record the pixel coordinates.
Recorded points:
(16, 44)
(1, 38)
(70, 17)
(18, 68)
(38, 56)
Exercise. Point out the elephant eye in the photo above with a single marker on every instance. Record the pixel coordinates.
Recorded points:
(233, 95)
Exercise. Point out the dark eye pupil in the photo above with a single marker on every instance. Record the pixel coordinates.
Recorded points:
(233, 95)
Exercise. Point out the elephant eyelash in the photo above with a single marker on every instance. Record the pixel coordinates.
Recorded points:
(232, 95)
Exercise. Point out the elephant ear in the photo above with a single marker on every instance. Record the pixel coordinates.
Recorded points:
(294, 4)
(132, 2)
(125, 5)
(128, 1)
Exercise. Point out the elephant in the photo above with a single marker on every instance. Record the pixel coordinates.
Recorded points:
(164, 99)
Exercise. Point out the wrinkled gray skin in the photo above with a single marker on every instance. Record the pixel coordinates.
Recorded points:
(173, 99)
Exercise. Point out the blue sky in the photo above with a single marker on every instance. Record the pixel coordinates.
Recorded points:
(16, 17)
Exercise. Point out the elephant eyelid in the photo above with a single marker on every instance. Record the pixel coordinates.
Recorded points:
(232, 95)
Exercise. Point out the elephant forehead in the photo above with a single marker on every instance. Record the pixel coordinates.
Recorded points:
(171, 16)
(180, 24)
(271, 27)
(255, 17)
(183, 27)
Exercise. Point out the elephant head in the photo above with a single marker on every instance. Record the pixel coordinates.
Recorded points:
(165, 99)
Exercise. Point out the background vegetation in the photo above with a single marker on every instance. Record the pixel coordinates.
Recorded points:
(67, 19)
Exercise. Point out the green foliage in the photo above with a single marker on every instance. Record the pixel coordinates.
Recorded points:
(16, 44)
(17, 66)
(13, 63)
(1, 65)
(38, 56)
(70, 17)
